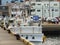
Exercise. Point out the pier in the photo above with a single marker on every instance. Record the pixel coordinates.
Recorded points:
(9, 39)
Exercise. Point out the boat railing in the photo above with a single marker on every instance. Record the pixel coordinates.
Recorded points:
(27, 29)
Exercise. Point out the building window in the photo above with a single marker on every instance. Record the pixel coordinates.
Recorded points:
(33, 4)
(32, 10)
(56, 10)
(38, 0)
(38, 4)
(52, 9)
(51, 0)
(47, 4)
(55, 4)
(38, 10)
(44, 10)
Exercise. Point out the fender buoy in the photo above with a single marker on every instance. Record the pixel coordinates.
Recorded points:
(44, 39)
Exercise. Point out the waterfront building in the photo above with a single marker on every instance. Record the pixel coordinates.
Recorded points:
(3, 2)
(45, 8)
(4, 10)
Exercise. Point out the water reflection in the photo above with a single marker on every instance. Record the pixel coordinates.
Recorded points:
(51, 40)
(37, 43)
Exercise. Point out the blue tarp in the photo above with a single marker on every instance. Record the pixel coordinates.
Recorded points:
(35, 18)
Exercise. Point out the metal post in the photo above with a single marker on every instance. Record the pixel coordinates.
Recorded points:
(42, 15)
(49, 9)
(29, 7)
(33, 30)
(52, 12)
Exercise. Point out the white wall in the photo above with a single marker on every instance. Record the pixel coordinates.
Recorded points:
(46, 7)
(54, 6)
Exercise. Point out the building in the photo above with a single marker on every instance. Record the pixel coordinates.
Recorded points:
(16, 9)
(54, 9)
(4, 10)
(42, 0)
(3, 2)
(36, 8)
(45, 8)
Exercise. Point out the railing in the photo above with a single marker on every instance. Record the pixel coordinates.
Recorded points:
(26, 29)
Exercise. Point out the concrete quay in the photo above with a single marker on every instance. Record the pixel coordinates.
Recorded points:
(8, 39)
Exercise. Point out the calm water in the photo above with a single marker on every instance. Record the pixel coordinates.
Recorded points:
(37, 43)
(52, 40)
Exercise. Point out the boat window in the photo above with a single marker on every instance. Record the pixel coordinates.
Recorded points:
(15, 9)
(26, 37)
(13, 25)
(3, 15)
(12, 1)
(12, 15)
(33, 37)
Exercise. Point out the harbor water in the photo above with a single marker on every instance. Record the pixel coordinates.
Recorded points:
(51, 40)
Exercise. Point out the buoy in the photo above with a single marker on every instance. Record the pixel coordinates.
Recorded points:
(44, 39)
